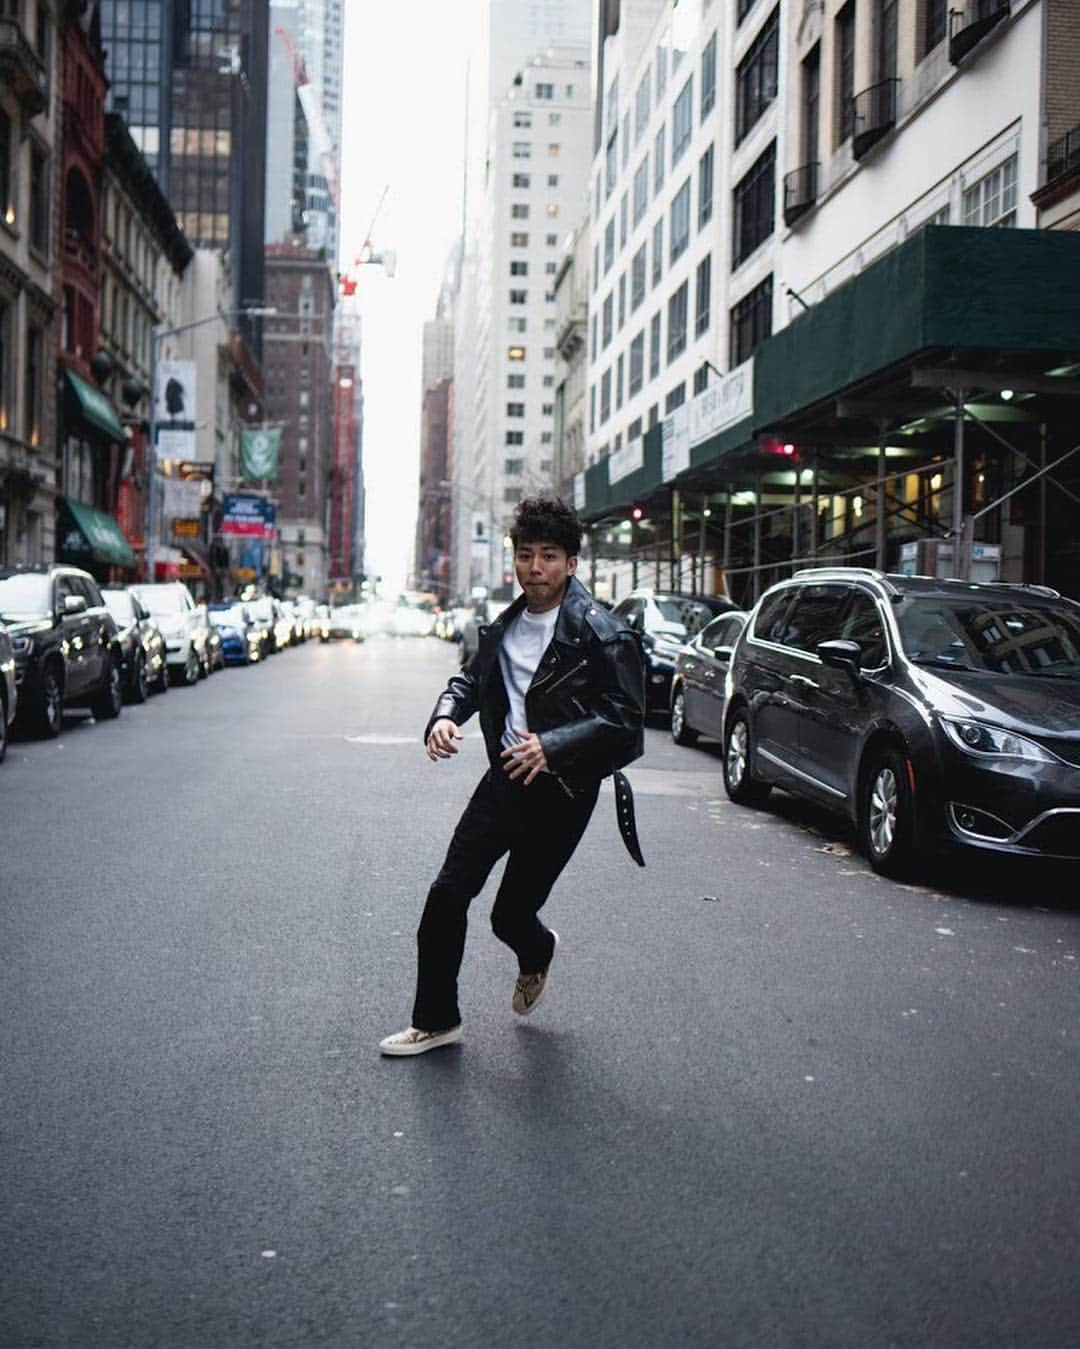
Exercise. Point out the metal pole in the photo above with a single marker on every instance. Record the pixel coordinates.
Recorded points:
(701, 539)
(757, 537)
(796, 510)
(1041, 572)
(879, 520)
(676, 539)
(814, 506)
(151, 460)
(727, 538)
(959, 561)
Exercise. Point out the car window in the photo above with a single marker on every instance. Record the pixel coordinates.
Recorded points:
(89, 588)
(995, 633)
(65, 586)
(769, 624)
(814, 617)
(27, 593)
(862, 623)
(720, 632)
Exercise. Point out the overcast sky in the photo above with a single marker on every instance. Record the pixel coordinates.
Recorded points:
(403, 126)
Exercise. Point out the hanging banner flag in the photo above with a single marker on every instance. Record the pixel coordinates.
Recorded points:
(259, 452)
(248, 515)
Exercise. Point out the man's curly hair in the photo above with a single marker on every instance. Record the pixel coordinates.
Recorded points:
(547, 520)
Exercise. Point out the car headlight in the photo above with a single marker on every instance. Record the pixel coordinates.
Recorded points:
(979, 738)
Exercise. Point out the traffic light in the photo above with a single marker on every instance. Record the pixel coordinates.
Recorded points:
(781, 449)
(637, 513)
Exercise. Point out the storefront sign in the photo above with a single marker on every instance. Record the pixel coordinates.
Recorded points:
(675, 443)
(250, 516)
(186, 528)
(626, 460)
(722, 404)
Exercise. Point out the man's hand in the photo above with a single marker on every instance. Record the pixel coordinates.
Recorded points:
(440, 743)
(526, 758)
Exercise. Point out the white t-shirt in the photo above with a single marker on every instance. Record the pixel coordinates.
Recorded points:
(523, 644)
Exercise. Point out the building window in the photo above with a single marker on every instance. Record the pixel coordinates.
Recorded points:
(703, 291)
(701, 379)
(742, 9)
(654, 345)
(641, 191)
(515, 381)
(845, 71)
(637, 278)
(811, 105)
(622, 300)
(511, 495)
(935, 21)
(608, 321)
(551, 240)
(625, 140)
(676, 322)
(517, 325)
(642, 106)
(519, 269)
(519, 211)
(633, 431)
(755, 207)
(553, 149)
(751, 322)
(515, 409)
(605, 396)
(515, 353)
(515, 438)
(521, 180)
(624, 220)
(661, 71)
(39, 201)
(35, 353)
(682, 121)
(518, 240)
(522, 150)
(680, 222)
(755, 78)
(609, 245)
(619, 382)
(519, 296)
(611, 165)
(992, 200)
(705, 188)
(592, 348)
(658, 160)
(523, 120)
(592, 408)
(545, 91)
(637, 363)
(886, 40)
(513, 468)
(7, 172)
(658, 251)
(675, 399)
(553, 180)
(708, 77)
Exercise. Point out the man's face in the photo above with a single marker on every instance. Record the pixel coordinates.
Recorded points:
(543, 569)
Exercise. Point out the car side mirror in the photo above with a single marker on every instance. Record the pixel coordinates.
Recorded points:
(723, 653)
(74, 604)
(839, 654)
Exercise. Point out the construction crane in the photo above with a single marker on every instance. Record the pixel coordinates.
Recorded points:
(309, 102)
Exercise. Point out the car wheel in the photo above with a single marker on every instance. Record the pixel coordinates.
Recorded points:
(163, 678)
(681, 732)
(110, 697)
(886, 814)
(49, 713)
(140, 686)
(191, 667)
(739, 782)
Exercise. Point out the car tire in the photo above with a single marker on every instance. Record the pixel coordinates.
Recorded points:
(140, 686)
(190, 672)
(739, 783)
(48, 711)
(887, 814)
(163, 678)
(109, 699)
(681, 731)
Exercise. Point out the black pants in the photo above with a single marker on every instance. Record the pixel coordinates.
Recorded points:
(539, 826)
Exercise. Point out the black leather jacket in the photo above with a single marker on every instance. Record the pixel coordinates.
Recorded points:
(586, 701)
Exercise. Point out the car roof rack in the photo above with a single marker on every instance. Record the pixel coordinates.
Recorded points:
(838, 569)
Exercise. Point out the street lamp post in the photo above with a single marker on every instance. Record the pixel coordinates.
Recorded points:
(156, 336)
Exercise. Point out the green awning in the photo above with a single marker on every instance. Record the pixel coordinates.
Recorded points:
(89, 535)
(96, 407)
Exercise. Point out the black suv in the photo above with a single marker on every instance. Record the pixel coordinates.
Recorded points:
(664, 620)
(925, 710)
(66, 647)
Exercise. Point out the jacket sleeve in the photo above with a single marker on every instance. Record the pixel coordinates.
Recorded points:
(458, 701)
(612, 732)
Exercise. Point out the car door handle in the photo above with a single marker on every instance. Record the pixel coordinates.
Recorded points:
(805, 680)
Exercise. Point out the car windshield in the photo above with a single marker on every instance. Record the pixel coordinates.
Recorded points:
(162, 599)
(23, 595)
(227, 617)
(994, 634)
(262, 608)
(682, 618)
(119, 604)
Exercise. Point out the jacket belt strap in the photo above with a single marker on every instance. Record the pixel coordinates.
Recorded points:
(624, 810)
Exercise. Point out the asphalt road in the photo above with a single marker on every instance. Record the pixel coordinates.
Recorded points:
(769, 1100)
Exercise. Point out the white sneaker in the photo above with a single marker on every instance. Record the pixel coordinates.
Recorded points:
(414, 1041)
(529, 988)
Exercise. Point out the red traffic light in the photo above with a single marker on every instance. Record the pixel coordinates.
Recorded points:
(637, 513)
(782, 449)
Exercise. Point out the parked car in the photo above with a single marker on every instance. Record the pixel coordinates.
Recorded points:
(928, 712)
(345, 621)
(65, 643)
(213, 657)
(9, 693)
(142, 645)
(261, 610)
(183, 627)
(665, 619)
(242, 639)
(482, 612)
(697, 684)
